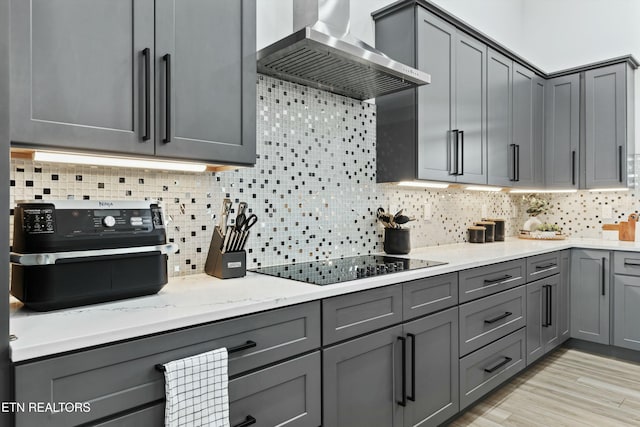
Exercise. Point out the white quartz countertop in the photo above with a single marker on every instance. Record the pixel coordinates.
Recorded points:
(197, 299)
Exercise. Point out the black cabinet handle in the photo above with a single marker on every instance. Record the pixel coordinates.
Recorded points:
(547, 309)
(498, 366)
(497, 280)
(403, 401)
(500, 317)
(146, 52)
(413, 367)
(247, 422)
(517, 169)
(167, 97)
(453, 154)
(460, 159)
(573, 168)
(546, 266)
(249, 344)
(632, 264)
(620, 163)
(604, 275)
(549, 305)
(513, 162)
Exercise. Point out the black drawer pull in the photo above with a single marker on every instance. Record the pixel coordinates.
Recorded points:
(604, 275)
(403, 402)
(498, 280)
(247, 422)
(167, 97)
(495, 319)
(245, 346)
(498, 366)
(413, 367)
(146, 52)
(632, 264)
(546, 266)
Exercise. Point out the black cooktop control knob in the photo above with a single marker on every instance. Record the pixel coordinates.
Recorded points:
(108, 221)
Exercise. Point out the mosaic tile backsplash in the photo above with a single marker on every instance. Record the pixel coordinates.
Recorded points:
(313, 188)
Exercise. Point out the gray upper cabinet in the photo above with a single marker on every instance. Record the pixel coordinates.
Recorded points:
(80, 77)
(206, 80)
(528, 127)
(590, 293)
(562, 126)
(502, 152)
(606, 126)
(166, 78)
(441, 125)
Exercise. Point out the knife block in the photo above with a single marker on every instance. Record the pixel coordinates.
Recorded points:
(224, 265)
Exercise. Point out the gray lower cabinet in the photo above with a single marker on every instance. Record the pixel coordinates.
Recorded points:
(608, 125)
(626, 300)
(152, 416)
(164, 78)
(590, 295)
(441, 125)
(564, 296)
(363, 378)
(562, 128)
(362, 381)
(543, 317)
(483, 281)
(502, 163)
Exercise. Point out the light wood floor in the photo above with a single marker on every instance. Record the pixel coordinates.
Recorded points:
(568, 388)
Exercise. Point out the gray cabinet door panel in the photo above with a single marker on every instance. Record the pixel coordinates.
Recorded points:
(436, 370)
(346, 316)
(483, 281)
(78, 74)
(287, 394)
(361, 381)
(424, 296)
(535, 318)
(626, 320)
(605, 136)
(435, 51)
(543, 265)
(152, 416)
(122, 376)
(505, 358)
(470, 97)
(564, 296)
(590, 295)
(499, 119)
(488, 319)
(210, 42)
(627, 263)
(562, 124)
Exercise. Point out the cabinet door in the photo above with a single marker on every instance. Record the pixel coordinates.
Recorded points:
(362, 381)
(470, 93)
(501, 166)
(435, 51)
(79, 78)
(590, 295)
(564, 296)
(562, 124)
(527, 126)
(207, 88)
(551, 329)
(433, 374)
(626, 332)
(605, 120)
(535, 319)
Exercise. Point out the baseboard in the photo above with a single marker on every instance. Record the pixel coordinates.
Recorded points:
(603, 350)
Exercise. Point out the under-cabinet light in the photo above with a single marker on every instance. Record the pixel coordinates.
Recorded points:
(423, 184)
(482, 188)
(521, 191)
(603, 190)
(124, 162)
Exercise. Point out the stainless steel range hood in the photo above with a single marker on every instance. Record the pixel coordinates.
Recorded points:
(321, 53)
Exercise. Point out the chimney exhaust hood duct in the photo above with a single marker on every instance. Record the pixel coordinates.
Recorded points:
(321, 53)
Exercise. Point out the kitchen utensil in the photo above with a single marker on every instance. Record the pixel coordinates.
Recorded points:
(385, 218)
(224, 216)
(627, 229)
(402, 219)
(250, 222)
(242, 208)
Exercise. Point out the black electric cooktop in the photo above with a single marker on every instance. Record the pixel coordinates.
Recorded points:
(339, 270)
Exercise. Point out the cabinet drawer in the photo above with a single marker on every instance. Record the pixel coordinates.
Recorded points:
(151, 416)
(543, 265)
(488, 319)
(626, 263)
(428, 295)
(287, 394)
(482, 281)
(122, 376)
(354, 314)
(484, 370)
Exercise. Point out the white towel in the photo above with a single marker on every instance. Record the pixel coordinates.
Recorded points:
(196, 389)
